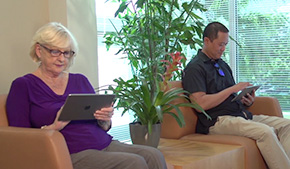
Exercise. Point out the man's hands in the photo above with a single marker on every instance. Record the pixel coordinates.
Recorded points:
(249, 99)
(240, 86)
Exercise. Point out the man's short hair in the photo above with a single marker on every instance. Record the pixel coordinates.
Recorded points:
(212, 29)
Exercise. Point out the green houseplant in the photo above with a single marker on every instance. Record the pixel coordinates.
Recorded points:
(152, 32)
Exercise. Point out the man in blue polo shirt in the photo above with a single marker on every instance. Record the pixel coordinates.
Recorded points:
(210, 81)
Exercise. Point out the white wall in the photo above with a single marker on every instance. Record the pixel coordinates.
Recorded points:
(82, 23)
(21, 18)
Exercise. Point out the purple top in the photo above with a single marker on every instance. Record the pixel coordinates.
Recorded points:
(31, 103)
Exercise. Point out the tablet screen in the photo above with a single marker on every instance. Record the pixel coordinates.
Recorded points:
(245, 91)
(83, 106)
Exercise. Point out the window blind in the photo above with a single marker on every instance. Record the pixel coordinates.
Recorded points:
(262, 30)
(263, 58)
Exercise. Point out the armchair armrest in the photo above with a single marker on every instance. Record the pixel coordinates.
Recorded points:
(28, 148)
(266, 105)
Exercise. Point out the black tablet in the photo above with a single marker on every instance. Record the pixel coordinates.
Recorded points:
(245, 91)
(83, 106)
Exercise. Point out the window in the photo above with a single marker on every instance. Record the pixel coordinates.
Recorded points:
(111, 66)
(262, 29)
(264, 56)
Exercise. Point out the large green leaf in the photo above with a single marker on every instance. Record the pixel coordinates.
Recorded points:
(121, 8)
(150, 30)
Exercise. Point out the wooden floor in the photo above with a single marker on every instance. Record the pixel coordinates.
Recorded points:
(184, 154)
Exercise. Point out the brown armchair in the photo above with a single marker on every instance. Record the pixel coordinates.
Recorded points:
(253, 159)
(27, 148)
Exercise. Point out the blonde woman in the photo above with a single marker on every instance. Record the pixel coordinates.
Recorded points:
(41, 94)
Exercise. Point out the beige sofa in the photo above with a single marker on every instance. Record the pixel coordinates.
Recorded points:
(26, 148)
(253, 159)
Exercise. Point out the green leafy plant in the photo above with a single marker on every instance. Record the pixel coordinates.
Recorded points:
(151, 33)
(135, 95)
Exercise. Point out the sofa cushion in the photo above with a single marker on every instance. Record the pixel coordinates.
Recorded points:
(253, 157)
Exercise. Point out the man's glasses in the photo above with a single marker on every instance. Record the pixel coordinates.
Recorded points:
(57, 53)
(220, 71)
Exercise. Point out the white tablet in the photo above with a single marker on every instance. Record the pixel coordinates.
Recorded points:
(245, 91)
(83, 106)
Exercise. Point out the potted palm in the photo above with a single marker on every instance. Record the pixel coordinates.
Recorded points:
(152, 32)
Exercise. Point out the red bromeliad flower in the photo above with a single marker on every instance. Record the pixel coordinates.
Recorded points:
(171, 67)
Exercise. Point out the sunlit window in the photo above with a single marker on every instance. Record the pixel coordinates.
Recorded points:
(111, 66)
(260, 27)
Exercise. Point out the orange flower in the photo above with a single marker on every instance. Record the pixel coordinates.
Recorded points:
(171, 67)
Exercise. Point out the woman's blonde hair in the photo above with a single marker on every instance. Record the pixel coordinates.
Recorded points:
(53, 34)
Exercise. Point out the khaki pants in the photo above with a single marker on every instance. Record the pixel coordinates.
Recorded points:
(272, 135)
(119, 156)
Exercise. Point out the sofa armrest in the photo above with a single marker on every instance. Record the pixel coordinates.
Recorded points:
(3, 116)
(266, 105)
(28, 148)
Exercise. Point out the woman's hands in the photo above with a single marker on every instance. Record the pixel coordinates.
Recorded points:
(56, 125)
(104, 114)
(104, 117)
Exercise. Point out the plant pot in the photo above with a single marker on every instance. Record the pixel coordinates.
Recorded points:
(139, 134)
